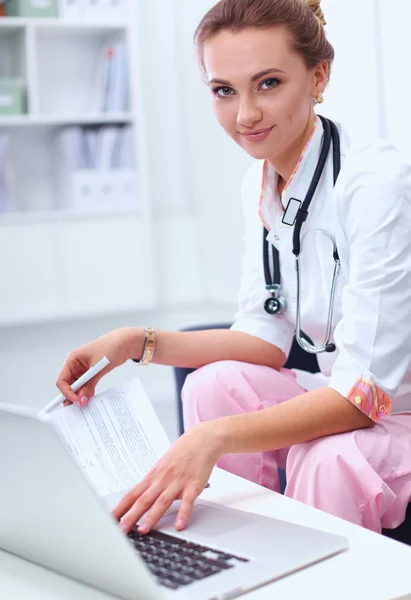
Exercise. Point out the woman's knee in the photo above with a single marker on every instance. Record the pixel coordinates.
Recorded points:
(330, 467)
(324, 458)
(216, 390)
(334, 475)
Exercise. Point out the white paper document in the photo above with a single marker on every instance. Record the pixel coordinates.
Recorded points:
(116, 439)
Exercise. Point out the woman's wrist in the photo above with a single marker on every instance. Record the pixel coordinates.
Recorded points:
(134, 341)
(217, 435)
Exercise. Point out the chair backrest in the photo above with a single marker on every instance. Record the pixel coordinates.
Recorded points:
(300, 359)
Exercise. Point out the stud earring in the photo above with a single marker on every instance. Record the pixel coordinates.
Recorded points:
(320, 98)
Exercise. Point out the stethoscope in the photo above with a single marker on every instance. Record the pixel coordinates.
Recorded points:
(295, 215)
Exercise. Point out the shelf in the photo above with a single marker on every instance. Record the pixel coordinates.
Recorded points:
(61, 120)
(10, 25)
(40, 317)
(60, 24)
(54, 216)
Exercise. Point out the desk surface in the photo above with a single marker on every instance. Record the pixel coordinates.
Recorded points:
(375, 567)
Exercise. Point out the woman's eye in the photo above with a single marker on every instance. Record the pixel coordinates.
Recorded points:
(269, 84)
(223, 92)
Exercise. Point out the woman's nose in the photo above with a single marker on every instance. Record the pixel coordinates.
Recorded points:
(248, 113)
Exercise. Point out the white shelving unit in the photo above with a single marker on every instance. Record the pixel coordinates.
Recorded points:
(57, 263)
(62, 120)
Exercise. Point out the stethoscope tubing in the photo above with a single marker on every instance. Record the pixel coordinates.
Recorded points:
(273, 284)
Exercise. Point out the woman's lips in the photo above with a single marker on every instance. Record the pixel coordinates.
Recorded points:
(258, 135)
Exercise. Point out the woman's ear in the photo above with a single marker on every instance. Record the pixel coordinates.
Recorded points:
(320, 78)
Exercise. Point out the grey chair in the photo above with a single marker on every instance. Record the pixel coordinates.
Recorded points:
(298, 359)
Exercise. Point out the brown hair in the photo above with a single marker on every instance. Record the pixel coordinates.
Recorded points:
(304, 20)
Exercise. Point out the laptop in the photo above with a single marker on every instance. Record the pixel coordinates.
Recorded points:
(50, 515)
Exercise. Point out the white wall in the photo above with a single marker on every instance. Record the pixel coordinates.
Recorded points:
(195, 174)
(395, 83)
(353, 95)
(215, 166)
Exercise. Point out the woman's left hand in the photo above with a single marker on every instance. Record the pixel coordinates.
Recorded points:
(182, 473)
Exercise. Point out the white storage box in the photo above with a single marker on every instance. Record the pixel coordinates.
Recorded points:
(100, 190)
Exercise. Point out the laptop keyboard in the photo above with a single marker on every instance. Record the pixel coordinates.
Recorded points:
(176, 562)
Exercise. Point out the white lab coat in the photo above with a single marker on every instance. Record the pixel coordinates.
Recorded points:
(368, 214)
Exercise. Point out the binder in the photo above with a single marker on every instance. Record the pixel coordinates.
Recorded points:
(5, 197)
(97, 171)
(118, 81)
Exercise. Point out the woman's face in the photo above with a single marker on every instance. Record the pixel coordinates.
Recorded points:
(262, 90)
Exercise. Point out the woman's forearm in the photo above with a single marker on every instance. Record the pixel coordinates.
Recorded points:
(304, 418)
(194, 349)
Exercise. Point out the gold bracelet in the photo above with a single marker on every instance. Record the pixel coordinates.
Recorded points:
(149, 347)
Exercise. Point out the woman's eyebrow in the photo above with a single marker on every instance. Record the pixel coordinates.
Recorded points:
(253, 78)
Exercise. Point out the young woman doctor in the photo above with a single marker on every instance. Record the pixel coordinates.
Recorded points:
(343, 435)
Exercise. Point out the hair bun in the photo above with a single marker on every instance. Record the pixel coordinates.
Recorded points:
(315, 6)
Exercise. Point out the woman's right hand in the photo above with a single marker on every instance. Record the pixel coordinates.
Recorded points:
(116, 346)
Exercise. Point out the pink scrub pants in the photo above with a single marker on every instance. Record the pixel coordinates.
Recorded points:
(363, 476)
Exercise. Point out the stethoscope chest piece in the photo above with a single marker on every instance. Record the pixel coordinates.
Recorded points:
(274, 306)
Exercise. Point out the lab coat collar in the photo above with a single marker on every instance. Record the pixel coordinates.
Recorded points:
(270, 203)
